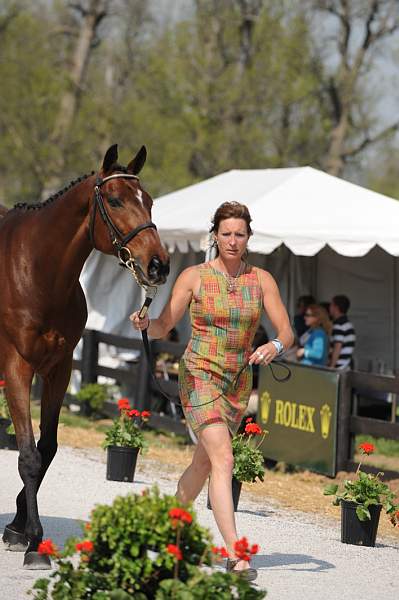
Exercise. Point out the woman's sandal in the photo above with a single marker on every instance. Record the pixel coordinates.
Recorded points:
(248, 574)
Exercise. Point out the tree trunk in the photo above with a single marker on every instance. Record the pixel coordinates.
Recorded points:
(91, 18)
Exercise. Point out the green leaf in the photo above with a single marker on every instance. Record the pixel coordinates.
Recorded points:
(330, 489)
(363, 514)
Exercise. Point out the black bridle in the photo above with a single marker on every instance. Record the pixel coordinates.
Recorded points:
(117, 238)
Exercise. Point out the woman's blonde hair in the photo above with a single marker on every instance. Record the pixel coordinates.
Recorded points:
(322, 317)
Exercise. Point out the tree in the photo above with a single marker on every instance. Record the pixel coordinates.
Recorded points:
(90, 13)
(362, 27)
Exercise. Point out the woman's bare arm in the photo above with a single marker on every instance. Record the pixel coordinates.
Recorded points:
(180, 298)
(278, 315)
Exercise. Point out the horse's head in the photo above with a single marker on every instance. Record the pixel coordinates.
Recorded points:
(126, 226)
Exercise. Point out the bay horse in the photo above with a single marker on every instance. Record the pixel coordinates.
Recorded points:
(43, 311)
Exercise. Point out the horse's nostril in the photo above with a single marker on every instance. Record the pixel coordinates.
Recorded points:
(156, 268)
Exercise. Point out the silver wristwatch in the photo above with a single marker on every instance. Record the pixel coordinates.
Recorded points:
(278, 345)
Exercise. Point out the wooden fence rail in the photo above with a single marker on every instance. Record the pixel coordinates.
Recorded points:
(137, 375)
(352, 384)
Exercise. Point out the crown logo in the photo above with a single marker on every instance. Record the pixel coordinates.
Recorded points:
(325, 415)
(265, 402)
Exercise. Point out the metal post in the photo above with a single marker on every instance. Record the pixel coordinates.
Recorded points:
(89, 357)
(344, 412)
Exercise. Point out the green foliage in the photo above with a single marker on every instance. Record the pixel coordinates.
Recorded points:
(130, 558)
(94, 395)
(248, 459)
(201, 585)
(4, 412)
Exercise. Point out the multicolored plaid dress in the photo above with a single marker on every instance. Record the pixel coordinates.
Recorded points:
(224, 324)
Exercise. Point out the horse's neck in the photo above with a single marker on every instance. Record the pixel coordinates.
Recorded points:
(64, 226)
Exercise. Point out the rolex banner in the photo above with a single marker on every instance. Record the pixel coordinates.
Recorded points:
(300, 416)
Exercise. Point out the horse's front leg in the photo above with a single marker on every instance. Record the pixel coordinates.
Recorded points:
(54, 389)
(19, 376)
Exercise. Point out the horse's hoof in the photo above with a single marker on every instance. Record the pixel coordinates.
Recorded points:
(35, 561)
(14, 540)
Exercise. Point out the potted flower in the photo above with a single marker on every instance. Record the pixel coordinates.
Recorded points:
(124, 440)
(248, 459)
(143, 546)
(7, 433)
(361, 502)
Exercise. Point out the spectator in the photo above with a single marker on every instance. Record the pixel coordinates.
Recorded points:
(343, 336)
(315, 350)
(300, 326)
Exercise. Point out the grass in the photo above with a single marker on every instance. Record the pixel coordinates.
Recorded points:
(382, 445)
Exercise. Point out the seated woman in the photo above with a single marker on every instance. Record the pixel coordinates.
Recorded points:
(316, 346)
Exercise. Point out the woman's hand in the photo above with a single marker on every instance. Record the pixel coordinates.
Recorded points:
(263, 355)
(300, 352)
(138, 323)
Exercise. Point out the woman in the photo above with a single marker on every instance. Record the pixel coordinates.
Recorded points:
(315, 350)
(225, 296)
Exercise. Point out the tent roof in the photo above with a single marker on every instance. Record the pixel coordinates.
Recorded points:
(303, 208)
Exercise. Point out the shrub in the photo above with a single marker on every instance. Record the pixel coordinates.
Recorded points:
(142, 546)
(92, 395)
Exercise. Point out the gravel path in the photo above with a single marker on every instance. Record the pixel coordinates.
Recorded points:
(301, 556)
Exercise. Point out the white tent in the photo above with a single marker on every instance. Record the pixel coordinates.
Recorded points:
(315, 233)
(302, 208)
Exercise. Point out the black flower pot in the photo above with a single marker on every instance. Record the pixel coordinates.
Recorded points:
(7, 440)
(121, 463)
(354, 531)
(236, 489)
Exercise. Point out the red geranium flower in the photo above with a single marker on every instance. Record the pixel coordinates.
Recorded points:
(179, 514)
(253, 428)
(220, 551)
(134, 413)
(254, 549)
(47, 547)
(367, 448)
(249, 420)
(2, 383)
(175, 550)
(85, 546)
(123, 404)
(146, 414)
(242, 549)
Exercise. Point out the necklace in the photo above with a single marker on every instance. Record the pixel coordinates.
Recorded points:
(231, 280)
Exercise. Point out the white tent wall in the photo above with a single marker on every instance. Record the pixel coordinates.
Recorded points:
(371, 284)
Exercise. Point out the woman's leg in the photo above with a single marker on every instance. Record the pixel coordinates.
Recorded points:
(216, 441)
(193, 479)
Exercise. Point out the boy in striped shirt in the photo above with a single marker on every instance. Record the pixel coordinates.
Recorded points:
(343, 336)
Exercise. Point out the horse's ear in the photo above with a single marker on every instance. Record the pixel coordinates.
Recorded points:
(110, 158)
(137, 163)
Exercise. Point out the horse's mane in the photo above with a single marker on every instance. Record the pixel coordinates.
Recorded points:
(39, 205)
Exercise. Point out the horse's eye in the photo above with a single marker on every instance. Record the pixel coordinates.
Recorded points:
(114, 202)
